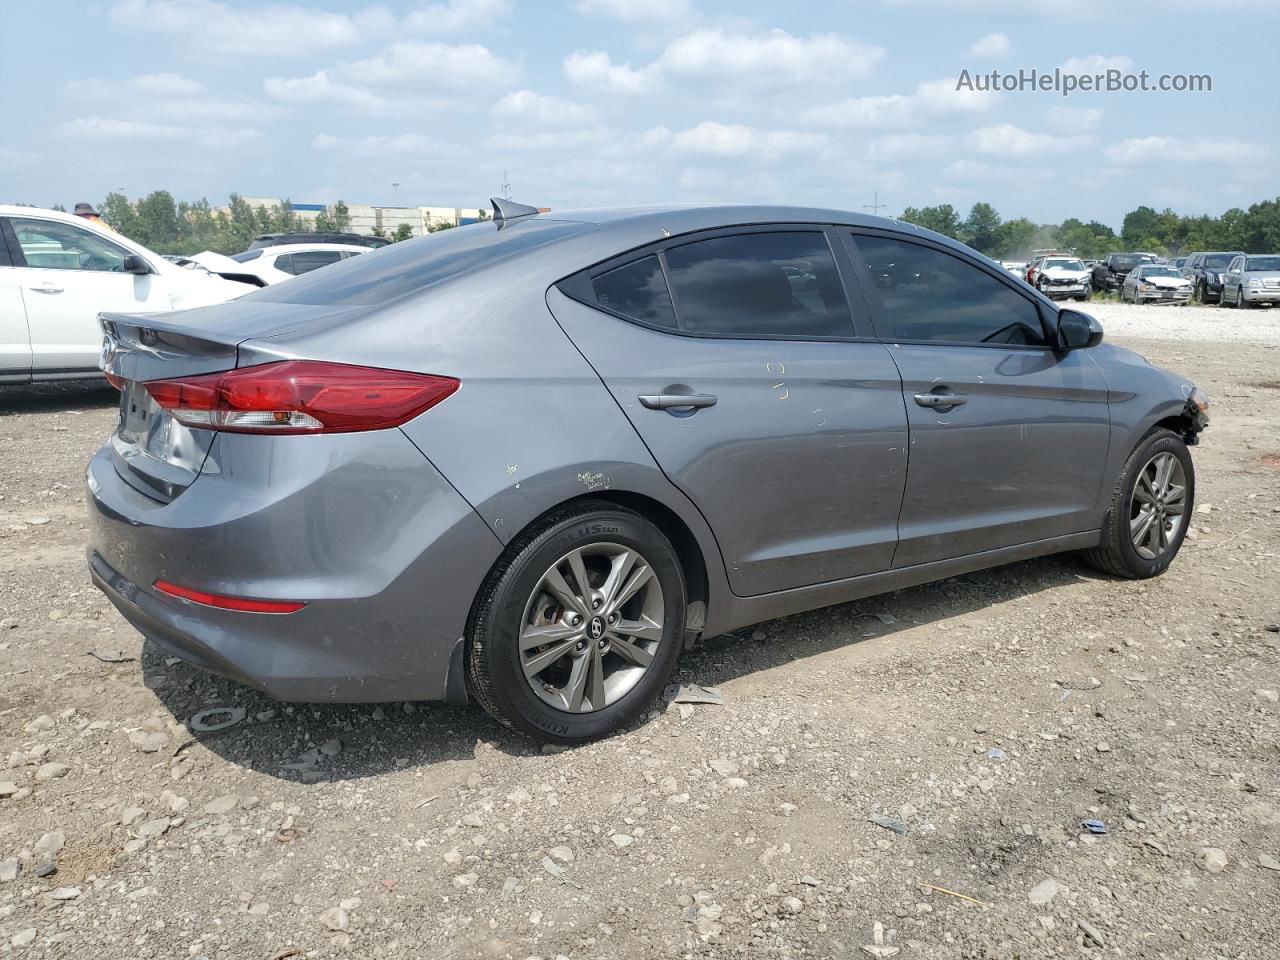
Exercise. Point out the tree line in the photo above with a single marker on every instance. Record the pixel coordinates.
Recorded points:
(1256, 230)
(173, 226)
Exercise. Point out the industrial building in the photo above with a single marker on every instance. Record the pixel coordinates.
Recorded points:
(371, 220)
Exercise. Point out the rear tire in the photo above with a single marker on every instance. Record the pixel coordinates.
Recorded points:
(1150, 509)
(545, 689)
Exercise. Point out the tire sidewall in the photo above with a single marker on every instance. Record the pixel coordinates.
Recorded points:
(501, 629)
(1163, 442)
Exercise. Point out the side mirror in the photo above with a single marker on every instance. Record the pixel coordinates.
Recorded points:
(1077, 331)
(135, 264)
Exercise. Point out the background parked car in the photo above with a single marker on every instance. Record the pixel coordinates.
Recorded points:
(1059, 277)
(263, 266)
(323, 236)
(59, 271)
(1110, 273)
(1251, 280)
(1205, 270)
(1156, 283)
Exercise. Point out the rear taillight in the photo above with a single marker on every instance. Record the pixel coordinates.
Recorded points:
(224, 602)
(300, 396)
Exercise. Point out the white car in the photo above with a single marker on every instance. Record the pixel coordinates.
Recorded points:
(1159, 282)
(58, 272)
(267, 265)
(1063, 277)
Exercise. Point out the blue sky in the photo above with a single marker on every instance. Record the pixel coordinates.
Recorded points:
(607, 102)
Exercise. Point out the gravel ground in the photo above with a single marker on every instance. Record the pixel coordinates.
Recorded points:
(1167, 322)
(985, 716)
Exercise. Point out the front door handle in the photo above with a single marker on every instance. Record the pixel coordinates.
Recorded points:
(675, 401)
(46, 288)
(941, 399)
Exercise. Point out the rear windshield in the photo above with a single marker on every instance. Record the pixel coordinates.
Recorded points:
(401, 268)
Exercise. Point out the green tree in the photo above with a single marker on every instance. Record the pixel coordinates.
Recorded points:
(941, 219)
(120, 213)
(341, 216)
(441, 225)
(157, 222)
(981, 229)
(403, 232)
(323, 223)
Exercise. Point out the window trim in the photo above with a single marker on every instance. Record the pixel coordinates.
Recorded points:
(578, 285)
(16, 245)
(876, 308)
(6, 241)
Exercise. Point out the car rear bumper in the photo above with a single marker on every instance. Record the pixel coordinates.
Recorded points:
(361, 527)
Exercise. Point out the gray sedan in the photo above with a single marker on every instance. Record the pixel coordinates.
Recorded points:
(527, 462)
(1252, 280)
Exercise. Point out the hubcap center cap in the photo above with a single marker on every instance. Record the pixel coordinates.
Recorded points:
(595, 629)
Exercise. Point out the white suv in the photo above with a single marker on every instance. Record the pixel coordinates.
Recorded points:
(58, 272)
(267, 265)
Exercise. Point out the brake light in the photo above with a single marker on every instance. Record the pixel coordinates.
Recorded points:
(300, 396)
(222, 602)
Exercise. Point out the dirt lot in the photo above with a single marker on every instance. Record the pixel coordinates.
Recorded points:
(991, 714)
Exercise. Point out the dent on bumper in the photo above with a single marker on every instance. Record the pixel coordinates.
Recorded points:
(388, 570)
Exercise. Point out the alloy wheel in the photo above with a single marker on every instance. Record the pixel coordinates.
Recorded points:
(1157, 508)
(591, 628)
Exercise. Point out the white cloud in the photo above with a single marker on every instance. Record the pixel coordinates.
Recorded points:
(768, 59)
(756, 62)
(12, 159)
(992, 45)
(166, 85)
(457, 16)
(319, 88)
(112, 128)
(413, 69)
(1073, 119)
(1096, 63)
(218, 28)
(737, 140)
(933, 99)
(639, 11)
(527, 108)
(1146, 150)
(1009, 141)
(558, 140)
(595, 71)
(907, 146)
(404, 144)
(278, 30)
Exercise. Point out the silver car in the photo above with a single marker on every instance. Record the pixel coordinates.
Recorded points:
(1156, 283)
(527, 462)
(1251, 280)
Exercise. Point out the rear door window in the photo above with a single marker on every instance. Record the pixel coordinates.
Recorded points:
(759, 285)
(928, 295)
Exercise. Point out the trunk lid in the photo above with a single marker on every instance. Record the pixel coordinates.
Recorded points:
(151, 451)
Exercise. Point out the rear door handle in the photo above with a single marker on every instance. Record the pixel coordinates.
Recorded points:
(941, 399)
(674, 401)
(46, 288)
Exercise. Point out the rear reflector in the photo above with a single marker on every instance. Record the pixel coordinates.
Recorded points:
(300, 396)
(117, 382)
(243, 604)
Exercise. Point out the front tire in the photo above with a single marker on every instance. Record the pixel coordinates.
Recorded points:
(580, 625)
(1150, 509)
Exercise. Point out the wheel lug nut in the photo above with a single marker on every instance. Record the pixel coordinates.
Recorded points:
(613, 618)
(603, 643)
(595, 604)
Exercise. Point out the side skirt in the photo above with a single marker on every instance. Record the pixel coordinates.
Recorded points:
(747, 610)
